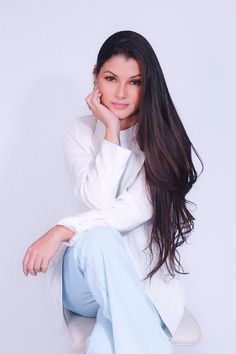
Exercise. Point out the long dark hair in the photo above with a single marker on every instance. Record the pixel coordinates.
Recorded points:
(169, 170)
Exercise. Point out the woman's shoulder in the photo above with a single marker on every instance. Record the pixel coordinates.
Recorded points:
(82, 126)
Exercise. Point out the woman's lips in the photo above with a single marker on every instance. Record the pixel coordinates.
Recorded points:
(119, 105)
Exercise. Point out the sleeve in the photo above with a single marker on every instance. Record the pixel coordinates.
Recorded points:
(95, 178)
(131, 209)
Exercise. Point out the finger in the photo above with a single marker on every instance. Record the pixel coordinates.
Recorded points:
(25, 263)
(92, 92)
(90, 103)
(37, 264)
(31, 264)
(95, 99)
(90, 97)
(44, 265)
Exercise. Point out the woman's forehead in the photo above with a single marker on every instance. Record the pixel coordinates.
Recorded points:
(119, 65)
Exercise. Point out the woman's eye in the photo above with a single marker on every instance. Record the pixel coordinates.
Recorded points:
(137, 82)
(109, 77)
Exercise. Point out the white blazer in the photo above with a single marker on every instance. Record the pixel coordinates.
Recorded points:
(109, 182)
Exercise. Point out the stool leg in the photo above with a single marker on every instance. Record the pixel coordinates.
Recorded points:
(111, 278)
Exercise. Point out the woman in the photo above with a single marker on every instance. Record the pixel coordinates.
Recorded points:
(132, 168)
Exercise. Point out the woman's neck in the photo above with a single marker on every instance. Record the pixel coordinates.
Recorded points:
(128, 122)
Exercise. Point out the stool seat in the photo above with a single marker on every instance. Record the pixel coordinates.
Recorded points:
(80, 328)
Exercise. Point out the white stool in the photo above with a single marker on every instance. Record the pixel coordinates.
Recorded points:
(80, 328)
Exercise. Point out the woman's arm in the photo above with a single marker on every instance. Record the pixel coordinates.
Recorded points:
(131, 209)
(40, 252)
(95, 178)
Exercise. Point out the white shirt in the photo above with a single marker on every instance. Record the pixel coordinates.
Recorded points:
(125, 137)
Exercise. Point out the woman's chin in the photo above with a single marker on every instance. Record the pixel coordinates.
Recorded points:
(120, 114)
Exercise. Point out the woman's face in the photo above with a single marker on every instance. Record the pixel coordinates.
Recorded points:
(119, 81)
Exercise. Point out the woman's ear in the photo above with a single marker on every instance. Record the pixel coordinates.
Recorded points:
(94, 75)
(95, 69)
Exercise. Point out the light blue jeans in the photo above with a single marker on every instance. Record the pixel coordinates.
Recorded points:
(99, 280)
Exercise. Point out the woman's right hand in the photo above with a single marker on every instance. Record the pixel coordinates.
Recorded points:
(40, 252)
(100, 111)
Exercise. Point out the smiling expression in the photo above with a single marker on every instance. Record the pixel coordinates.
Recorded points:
(119, 81)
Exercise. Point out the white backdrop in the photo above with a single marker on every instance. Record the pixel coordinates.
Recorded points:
(48, 49)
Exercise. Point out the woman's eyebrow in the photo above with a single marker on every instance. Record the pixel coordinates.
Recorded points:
(117, 76)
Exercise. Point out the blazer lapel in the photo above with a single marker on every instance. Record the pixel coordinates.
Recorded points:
(136, 159)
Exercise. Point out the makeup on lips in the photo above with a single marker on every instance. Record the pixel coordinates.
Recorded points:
(119, 105)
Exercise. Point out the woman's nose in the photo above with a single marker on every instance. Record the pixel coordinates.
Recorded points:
(121, 91)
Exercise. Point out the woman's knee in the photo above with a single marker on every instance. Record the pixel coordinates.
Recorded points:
(99, 237)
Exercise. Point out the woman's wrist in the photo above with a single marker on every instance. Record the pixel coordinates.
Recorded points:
(64, 233)
(112, 135)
